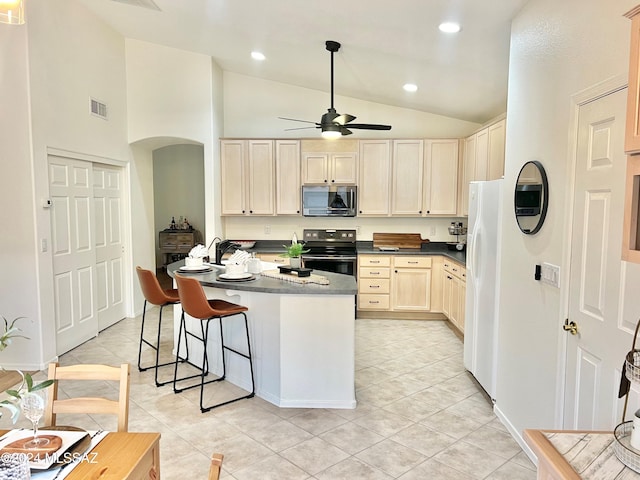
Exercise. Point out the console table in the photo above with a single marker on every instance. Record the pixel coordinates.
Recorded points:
(176, 244)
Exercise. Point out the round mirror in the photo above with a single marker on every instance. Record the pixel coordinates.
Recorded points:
(531, 197)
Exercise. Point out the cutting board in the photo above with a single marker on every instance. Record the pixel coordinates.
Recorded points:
(398, 240)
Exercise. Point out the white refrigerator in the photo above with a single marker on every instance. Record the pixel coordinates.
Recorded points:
(483, 266)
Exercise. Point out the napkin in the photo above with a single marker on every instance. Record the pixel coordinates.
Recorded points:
(240, 257)
(199, 251)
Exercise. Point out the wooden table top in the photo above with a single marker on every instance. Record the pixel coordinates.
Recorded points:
(120, 455)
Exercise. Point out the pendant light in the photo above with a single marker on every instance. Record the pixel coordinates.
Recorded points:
(12, 12)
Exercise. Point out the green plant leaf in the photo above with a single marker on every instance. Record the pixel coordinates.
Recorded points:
(42, 385)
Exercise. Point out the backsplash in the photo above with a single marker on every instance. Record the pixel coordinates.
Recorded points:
(274, 228)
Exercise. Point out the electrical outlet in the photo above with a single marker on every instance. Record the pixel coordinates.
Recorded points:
(357, 229)
(432, 232)
(551, 274)
(267, 229)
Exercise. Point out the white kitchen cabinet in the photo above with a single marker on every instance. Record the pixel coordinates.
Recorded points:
(453, 292)
(481, 170)
(247, 177)
(288, 177)
(441, 177)
(407, 174)
(411, 283)
(329, 167)
(374, 172)
(374, 285)
(468, 170)
(495, 150)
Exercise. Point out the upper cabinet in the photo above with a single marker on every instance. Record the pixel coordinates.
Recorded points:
(288, 177)
(407, 173)
(326, 162)
(247, 177)
(373, 178)
(483, 158)
(441, 177)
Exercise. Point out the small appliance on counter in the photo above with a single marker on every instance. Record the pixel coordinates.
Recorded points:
(457, 229)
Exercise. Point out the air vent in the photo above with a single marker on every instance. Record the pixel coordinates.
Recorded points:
(140, 3)
(98, 108)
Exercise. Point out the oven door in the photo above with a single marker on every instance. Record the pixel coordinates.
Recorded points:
(345, 264)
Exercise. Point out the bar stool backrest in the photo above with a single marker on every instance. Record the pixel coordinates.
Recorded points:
(151, 288)
(193, 299)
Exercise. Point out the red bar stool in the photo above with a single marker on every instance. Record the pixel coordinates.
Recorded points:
(195, 303)
(155, 295)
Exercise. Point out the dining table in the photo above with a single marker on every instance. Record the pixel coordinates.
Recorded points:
(120, 456)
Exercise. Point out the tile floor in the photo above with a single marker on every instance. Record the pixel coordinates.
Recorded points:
(420, 415)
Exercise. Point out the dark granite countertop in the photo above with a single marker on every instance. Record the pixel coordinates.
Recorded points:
(339, 284)
(366, 248)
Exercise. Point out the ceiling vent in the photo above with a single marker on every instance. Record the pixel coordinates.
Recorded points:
(140, 3)
(98, 108)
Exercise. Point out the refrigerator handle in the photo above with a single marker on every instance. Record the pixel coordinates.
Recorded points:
(476, 240)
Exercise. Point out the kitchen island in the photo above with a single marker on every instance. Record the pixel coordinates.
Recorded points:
(302, 338)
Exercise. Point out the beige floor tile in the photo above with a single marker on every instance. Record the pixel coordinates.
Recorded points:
(424, 440)
(314, 456)
(412, 409)
(470, 459)
(273, 467)
(434, 470)
(494, 441)
(280, 435)
(512, 471)
(352, 469)
(351, 438)
(454, 425)
(317, 421)
(383, 423)
(391, 457)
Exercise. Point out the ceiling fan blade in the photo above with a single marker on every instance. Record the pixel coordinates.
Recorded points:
(296, 120)
(298, 128)
(369, 126)
(345, 131)
(344, 119)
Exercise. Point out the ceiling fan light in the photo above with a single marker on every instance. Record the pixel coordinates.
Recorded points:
(258, 55)
(449, 27)
(331, 131)
(410, 87)
(12, 12)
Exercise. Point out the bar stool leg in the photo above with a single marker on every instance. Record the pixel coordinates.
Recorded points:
(142, 340)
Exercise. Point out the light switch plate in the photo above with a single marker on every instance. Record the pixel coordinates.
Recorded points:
(551, 274)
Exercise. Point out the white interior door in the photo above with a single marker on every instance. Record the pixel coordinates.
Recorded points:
(73, 251)
(595, 355)
(107, 200)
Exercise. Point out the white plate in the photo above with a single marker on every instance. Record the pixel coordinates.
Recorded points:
(194, 268)
(235, 277)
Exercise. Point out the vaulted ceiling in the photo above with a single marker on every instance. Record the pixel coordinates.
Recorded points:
(385, 44)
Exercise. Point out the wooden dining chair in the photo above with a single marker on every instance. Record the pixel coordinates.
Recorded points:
(216, 466)
(88, 405)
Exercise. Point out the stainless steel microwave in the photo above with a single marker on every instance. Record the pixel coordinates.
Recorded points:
(329, 201)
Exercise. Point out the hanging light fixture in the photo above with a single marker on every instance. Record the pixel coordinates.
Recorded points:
(12, 12)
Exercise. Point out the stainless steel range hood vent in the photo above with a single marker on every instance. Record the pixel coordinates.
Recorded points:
(140, 3)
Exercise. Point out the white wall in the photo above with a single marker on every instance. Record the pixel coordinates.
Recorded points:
(252, 107)
(18, 254)
(178, 183)
(71, 56)
(557, 50)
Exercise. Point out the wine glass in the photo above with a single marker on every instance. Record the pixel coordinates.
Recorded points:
(33, 408)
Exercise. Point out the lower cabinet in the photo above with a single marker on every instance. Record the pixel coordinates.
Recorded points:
(411, 284)
(394, 283)
(454, 286)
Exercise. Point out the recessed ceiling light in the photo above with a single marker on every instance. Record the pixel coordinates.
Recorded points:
(449, 27)
(410, 87)
(257, 56)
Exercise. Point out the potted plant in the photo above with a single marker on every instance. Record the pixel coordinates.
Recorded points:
(293, 253)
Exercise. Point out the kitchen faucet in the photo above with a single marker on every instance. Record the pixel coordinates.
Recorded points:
(222, 247)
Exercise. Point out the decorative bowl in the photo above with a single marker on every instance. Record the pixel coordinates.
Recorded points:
(245, 244)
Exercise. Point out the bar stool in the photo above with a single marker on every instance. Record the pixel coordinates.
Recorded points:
(195, 303)
(155, 295)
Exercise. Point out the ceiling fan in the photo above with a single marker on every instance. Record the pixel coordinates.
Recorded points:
(332, 124)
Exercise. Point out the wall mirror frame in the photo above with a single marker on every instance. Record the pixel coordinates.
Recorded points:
(531, 197)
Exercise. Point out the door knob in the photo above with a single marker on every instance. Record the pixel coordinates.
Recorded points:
(570, 326)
